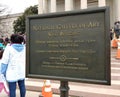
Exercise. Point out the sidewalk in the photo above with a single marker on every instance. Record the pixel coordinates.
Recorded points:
(28, 94)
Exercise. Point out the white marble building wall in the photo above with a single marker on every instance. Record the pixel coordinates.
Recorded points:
(79, 4)
(6, 24)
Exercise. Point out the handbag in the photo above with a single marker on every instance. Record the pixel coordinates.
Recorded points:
(4, 85)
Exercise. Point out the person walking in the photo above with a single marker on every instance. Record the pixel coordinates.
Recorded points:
(117, 28)
(13, 65)
(1, 43)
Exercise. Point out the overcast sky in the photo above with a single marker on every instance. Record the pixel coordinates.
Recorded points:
(18, 6)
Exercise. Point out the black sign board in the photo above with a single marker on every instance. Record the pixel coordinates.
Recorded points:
(70, 46)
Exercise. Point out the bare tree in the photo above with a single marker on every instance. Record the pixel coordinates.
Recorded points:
(2, 8)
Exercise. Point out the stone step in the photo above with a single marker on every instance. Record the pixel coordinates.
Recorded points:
(82, 89)
(91, 89)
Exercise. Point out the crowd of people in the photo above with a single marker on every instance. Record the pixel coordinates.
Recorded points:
(12, 63)
(4, 42)
(115, 31)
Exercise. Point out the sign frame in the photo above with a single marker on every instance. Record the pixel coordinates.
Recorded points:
(29, 57)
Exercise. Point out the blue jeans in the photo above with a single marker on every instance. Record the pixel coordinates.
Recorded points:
(12, 88)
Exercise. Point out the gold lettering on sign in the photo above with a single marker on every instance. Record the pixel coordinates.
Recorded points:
(65, 26)
(64, 65)
(63, 46)
(67, 51)
(63, 58)
(60, 34)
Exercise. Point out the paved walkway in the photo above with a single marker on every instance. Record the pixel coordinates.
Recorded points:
(28, 94)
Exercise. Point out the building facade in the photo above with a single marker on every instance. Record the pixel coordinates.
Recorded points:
(50, 6)
(6, 24)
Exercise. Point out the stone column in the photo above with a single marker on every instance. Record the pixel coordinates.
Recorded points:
(42, 6)
(68, 5)
(83, 4)
(53, 5)
(117, 9)
(101, 3)
(45, 6)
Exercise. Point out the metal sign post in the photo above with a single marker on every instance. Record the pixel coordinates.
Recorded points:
(64, 88)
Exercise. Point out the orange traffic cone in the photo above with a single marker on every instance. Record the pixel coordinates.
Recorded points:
(114, 42)
(118, 51)
(46, 89)
(43, 88)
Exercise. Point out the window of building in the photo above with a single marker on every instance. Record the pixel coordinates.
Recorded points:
(60, 5)
(92, 3)
(76, 4)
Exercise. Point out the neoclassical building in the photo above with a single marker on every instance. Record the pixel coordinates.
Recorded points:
(6, 24)
(50, 6)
